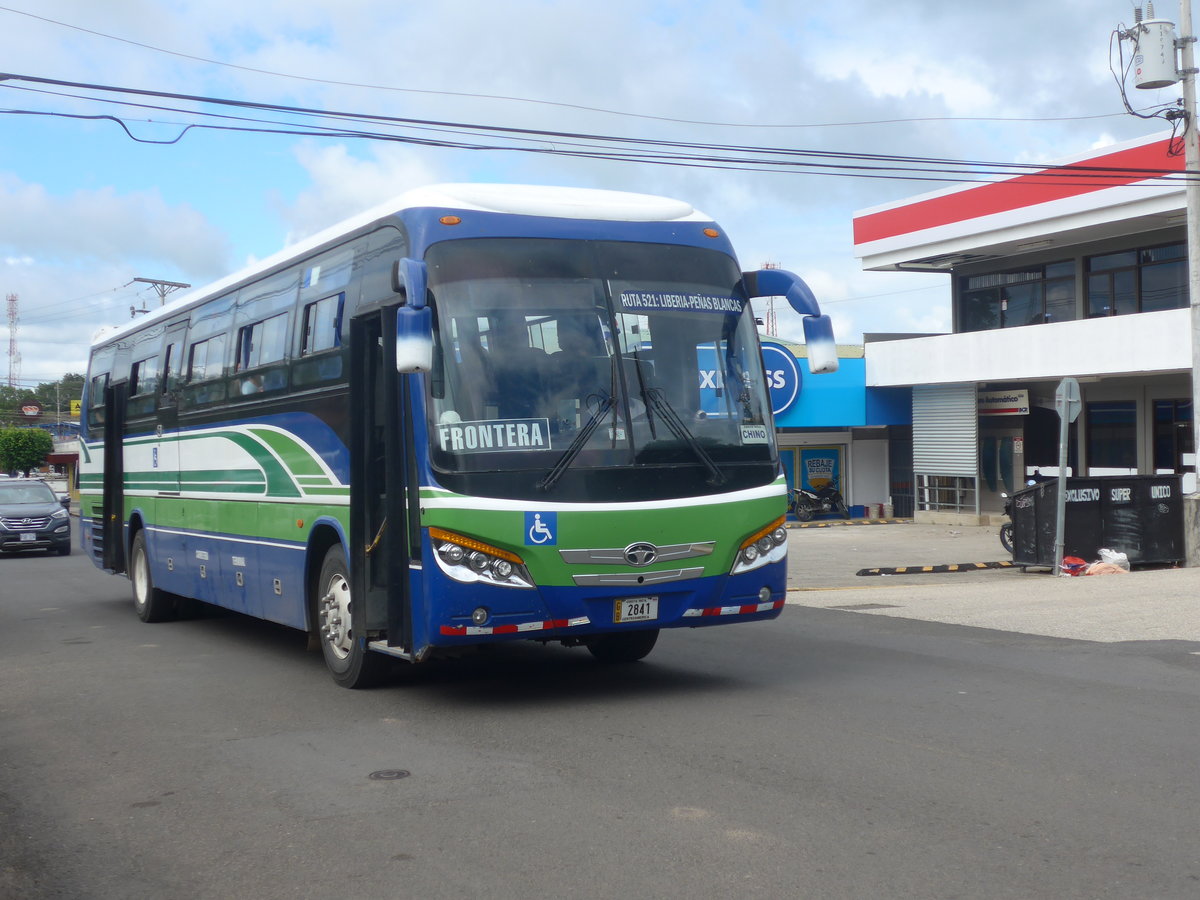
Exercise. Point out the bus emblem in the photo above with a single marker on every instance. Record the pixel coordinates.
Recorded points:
(641, 554)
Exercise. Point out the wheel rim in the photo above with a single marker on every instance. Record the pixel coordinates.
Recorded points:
(335, 617)
(141, 579)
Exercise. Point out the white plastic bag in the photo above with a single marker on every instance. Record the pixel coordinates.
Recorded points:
(1116, 557)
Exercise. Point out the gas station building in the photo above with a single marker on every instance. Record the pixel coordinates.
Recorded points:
(1078, 269)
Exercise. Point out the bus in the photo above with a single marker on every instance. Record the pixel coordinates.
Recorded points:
(477, 413)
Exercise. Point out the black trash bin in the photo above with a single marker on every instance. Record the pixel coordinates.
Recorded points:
(1138, 515)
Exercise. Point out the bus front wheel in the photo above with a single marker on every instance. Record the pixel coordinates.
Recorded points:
(624, 646)
(150, 603)
(349, 661)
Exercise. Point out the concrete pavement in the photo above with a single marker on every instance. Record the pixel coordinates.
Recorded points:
(1156, 604)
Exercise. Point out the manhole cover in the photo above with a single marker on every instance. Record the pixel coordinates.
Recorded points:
(389, 775)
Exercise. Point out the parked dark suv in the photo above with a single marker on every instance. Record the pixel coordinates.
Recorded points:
(32, 517)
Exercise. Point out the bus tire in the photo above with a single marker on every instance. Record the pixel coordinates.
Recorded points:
(150, 603)
(624, 646)
(349, 661)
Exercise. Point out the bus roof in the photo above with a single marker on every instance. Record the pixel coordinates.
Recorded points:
(511, 199)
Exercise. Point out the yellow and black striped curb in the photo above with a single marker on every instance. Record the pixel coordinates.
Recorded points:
(837, 523)
(947, 567)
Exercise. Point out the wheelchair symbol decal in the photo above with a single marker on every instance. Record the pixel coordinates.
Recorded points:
(541, 528)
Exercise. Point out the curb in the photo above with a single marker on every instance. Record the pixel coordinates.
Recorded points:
(843, 523)
(947, 567)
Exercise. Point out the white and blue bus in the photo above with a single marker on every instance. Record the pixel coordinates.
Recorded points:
(477, 413)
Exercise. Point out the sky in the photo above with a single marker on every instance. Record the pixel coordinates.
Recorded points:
(85, 208)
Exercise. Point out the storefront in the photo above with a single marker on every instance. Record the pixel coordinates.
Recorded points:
(832, 429)
(1052, 274)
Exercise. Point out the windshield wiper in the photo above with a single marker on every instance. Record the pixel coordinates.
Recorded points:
(659, 403)
(581, 439)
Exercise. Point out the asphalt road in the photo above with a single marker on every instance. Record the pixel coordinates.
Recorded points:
(827, 754)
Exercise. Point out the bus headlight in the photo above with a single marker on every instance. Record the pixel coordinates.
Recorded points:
(471, 561)
(767, 545)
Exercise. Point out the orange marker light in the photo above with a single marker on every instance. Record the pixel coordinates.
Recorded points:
(450, 220)
(711, 232)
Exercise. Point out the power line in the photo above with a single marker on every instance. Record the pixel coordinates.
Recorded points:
(44, 313)
(618, 148)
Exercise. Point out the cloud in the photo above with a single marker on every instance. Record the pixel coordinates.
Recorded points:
(85, 209)
(342, 185)
(102, 225)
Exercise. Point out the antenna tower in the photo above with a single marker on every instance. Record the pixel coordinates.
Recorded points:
(772, 322)
(14, 357)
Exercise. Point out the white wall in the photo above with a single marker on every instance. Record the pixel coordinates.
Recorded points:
(868, 473)
(1149, 343)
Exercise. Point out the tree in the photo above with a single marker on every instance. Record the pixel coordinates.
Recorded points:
(54, 396)
(23, 449)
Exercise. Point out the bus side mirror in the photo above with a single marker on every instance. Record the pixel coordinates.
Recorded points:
(410, 277)
(414, 339)
(822, 350)
(818, 329)
(414, 319)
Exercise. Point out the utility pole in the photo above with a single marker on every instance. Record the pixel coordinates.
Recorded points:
(1154, 64)
(162, 288)
(1191, 150)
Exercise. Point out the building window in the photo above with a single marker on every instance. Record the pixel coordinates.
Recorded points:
(1112, 437)
(1173, 439)
(1028, 296)
(1137, 281)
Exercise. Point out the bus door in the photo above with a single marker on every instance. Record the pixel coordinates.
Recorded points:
(383, 493)
(167, 450)
(113, 499)
(169, 546)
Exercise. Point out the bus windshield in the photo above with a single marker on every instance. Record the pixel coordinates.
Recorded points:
(553, 355)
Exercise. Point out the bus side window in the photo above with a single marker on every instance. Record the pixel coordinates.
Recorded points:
(259, 345)
(206, 365)
(96, 389)
(262, 343)
(170, 379)
(320, 333)
(143, 385)
(321, 325)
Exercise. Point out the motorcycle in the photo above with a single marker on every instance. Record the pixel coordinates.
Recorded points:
(1006, 530)
(806, 504)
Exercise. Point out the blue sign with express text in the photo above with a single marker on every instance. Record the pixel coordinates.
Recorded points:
(783, 376)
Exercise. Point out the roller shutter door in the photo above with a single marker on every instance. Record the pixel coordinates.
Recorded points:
(945, 430)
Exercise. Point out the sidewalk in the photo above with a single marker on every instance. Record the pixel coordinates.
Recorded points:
(1145, 605)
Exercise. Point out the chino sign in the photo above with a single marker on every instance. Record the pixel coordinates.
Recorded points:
(783, 376)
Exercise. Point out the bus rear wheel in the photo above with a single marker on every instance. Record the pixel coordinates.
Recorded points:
(150, 603)
(624, 646)
(349, 661)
